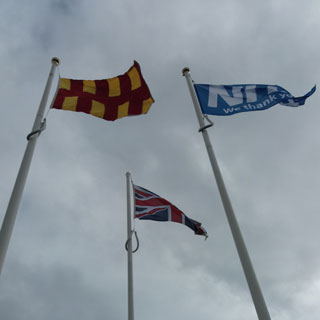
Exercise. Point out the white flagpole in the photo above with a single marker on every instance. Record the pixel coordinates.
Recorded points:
(129, 250)
(14, 202)
(256, 293)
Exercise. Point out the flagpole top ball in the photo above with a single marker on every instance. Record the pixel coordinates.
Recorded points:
(185, 70)
(55, 60)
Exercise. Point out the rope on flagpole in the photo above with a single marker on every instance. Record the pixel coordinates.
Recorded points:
(137, 239)
(210, 124)
(43, 123)
(42, 128)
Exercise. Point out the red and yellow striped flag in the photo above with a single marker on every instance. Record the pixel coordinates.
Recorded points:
(110, 99)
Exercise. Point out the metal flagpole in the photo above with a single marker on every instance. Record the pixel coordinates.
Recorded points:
(14, 202)
(256, 293)
(129, 250)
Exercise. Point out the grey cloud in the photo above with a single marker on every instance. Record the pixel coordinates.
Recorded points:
(66, 258)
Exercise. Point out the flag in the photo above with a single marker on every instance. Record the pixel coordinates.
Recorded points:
(110, 99)
(226, 100)
(150, 206)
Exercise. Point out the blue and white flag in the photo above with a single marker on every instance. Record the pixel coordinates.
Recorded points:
(225, 100)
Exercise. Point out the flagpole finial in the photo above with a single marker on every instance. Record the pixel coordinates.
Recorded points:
(55, 60)
(185, 70)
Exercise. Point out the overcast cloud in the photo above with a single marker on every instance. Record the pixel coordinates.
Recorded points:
(66, 258)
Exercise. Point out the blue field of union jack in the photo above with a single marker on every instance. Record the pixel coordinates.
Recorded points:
(150, 206)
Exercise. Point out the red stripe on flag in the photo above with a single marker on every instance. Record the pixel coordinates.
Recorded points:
(84, 103)
(125, 85)
(176, 214)
(102, 88)
(111, 112)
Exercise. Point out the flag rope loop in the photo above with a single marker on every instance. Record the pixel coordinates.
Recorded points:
(42, 127)
(138, 244)
(210, 124)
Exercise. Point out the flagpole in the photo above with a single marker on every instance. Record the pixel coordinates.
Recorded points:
(256, 293)
(14, 202)
(129, 250)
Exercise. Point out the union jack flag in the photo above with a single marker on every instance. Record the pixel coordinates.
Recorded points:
(150, 206)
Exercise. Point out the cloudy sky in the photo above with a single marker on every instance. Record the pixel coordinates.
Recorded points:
(66, 258)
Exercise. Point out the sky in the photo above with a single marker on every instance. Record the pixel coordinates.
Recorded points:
(67, 258)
